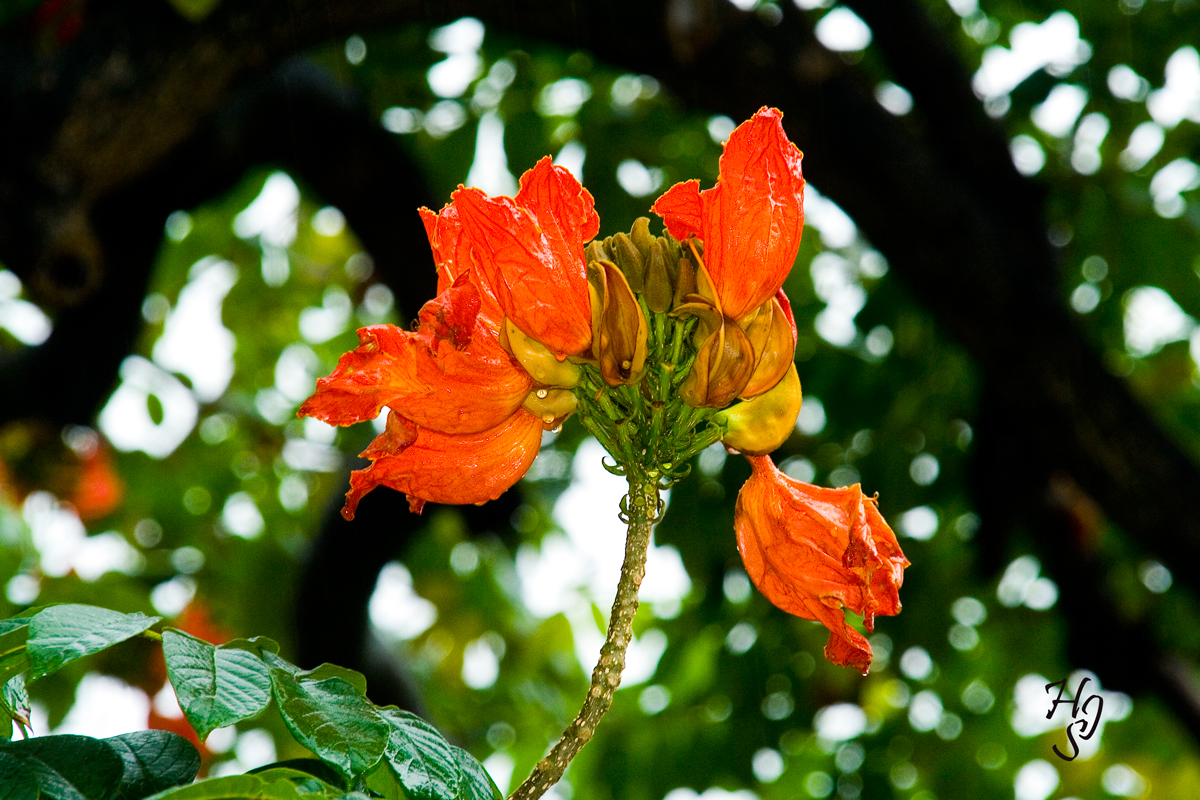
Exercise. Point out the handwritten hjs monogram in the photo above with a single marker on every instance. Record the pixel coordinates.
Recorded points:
(1076, 710)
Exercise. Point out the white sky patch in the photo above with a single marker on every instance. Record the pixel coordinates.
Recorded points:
(1125, 84)
(241, 517)
(637, 179)
(1090, 134)
(22, 319)
(571, 571)
(500, 766)
(489, 169)
(1027, 154)
(296, 371)
(840, 722)
(1056, 114)
(481, 664)
(571, 158)
(125, 418)
(460, 41)
(272, 215)
(1153, 319)
(1053, 45)
(711, 793)
(195, 342)
(835, 281)
(63, 544)
(842, 31)
(1036, 780)
(834, 225)
(894, 98)
(105, 706)
(564, 97)
(1168, 185)
(1031, 701)
(395, 609)
(1144, 143)
(321, 323)
(1179, 99)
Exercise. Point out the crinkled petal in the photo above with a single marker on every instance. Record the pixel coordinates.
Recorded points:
(681, 209)
(532, 259)
(559, 203)
(440, 468)
(426, 379)
(751, 221)
(814, 551)
(453, 257)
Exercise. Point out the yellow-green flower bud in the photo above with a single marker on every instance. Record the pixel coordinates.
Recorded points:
(541, 364)
(758, 426)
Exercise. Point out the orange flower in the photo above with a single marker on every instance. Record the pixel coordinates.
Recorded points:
(530, 250)
(751, 221)
(814, 551)
(459, 427)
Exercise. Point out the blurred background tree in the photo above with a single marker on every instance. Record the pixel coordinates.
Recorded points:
(997, 298)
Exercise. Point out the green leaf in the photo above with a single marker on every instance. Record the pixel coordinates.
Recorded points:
(329, 717)
(476, 783)
(68, 767)
(16, 779)
(154, 761)
(303, 768)
(216, 686)
(385, 783)
(355, 679)
(14, 701)
(59, 635)
(232, 787)
(424, 760)
(13, 663)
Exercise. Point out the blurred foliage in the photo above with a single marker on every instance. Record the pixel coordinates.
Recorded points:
(734, 697)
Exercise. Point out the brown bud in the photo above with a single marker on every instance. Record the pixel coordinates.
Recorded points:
(685, 280)
(598, 251)
(541, 364)
(770, 335)
(659, 292)
(630, 260)
(723, 365)
(639, 234)
(619, 331)
(757, 427)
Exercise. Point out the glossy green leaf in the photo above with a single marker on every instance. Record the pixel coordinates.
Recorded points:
(154, 761)
(59, 635)
(16, 779)
(232, 787)
(216, 686)
(355, 679)
(14, 702)
(425, 762)
(476, 783)
(68, 767)
(307, 774)
(329, 717)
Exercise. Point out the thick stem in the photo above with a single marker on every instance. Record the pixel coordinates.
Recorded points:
(606, 677)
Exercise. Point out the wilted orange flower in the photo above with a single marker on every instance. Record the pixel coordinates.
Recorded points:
(460, 427)
(814, 551)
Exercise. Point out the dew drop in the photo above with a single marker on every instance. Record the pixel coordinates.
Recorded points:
(542, 394)
(547, 418)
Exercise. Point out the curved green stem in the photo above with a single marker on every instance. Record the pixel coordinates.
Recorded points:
(606, 677)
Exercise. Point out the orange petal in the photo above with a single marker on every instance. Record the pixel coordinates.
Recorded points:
(682, 209)
(426, 379)
(440, 468)
(532, 256)
(453, 257)
(813, 551)
(559, 203)
(751, 221)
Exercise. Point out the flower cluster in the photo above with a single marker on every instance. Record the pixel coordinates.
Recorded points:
(662, 344)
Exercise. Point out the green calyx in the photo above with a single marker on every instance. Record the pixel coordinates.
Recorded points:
(646, 426)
